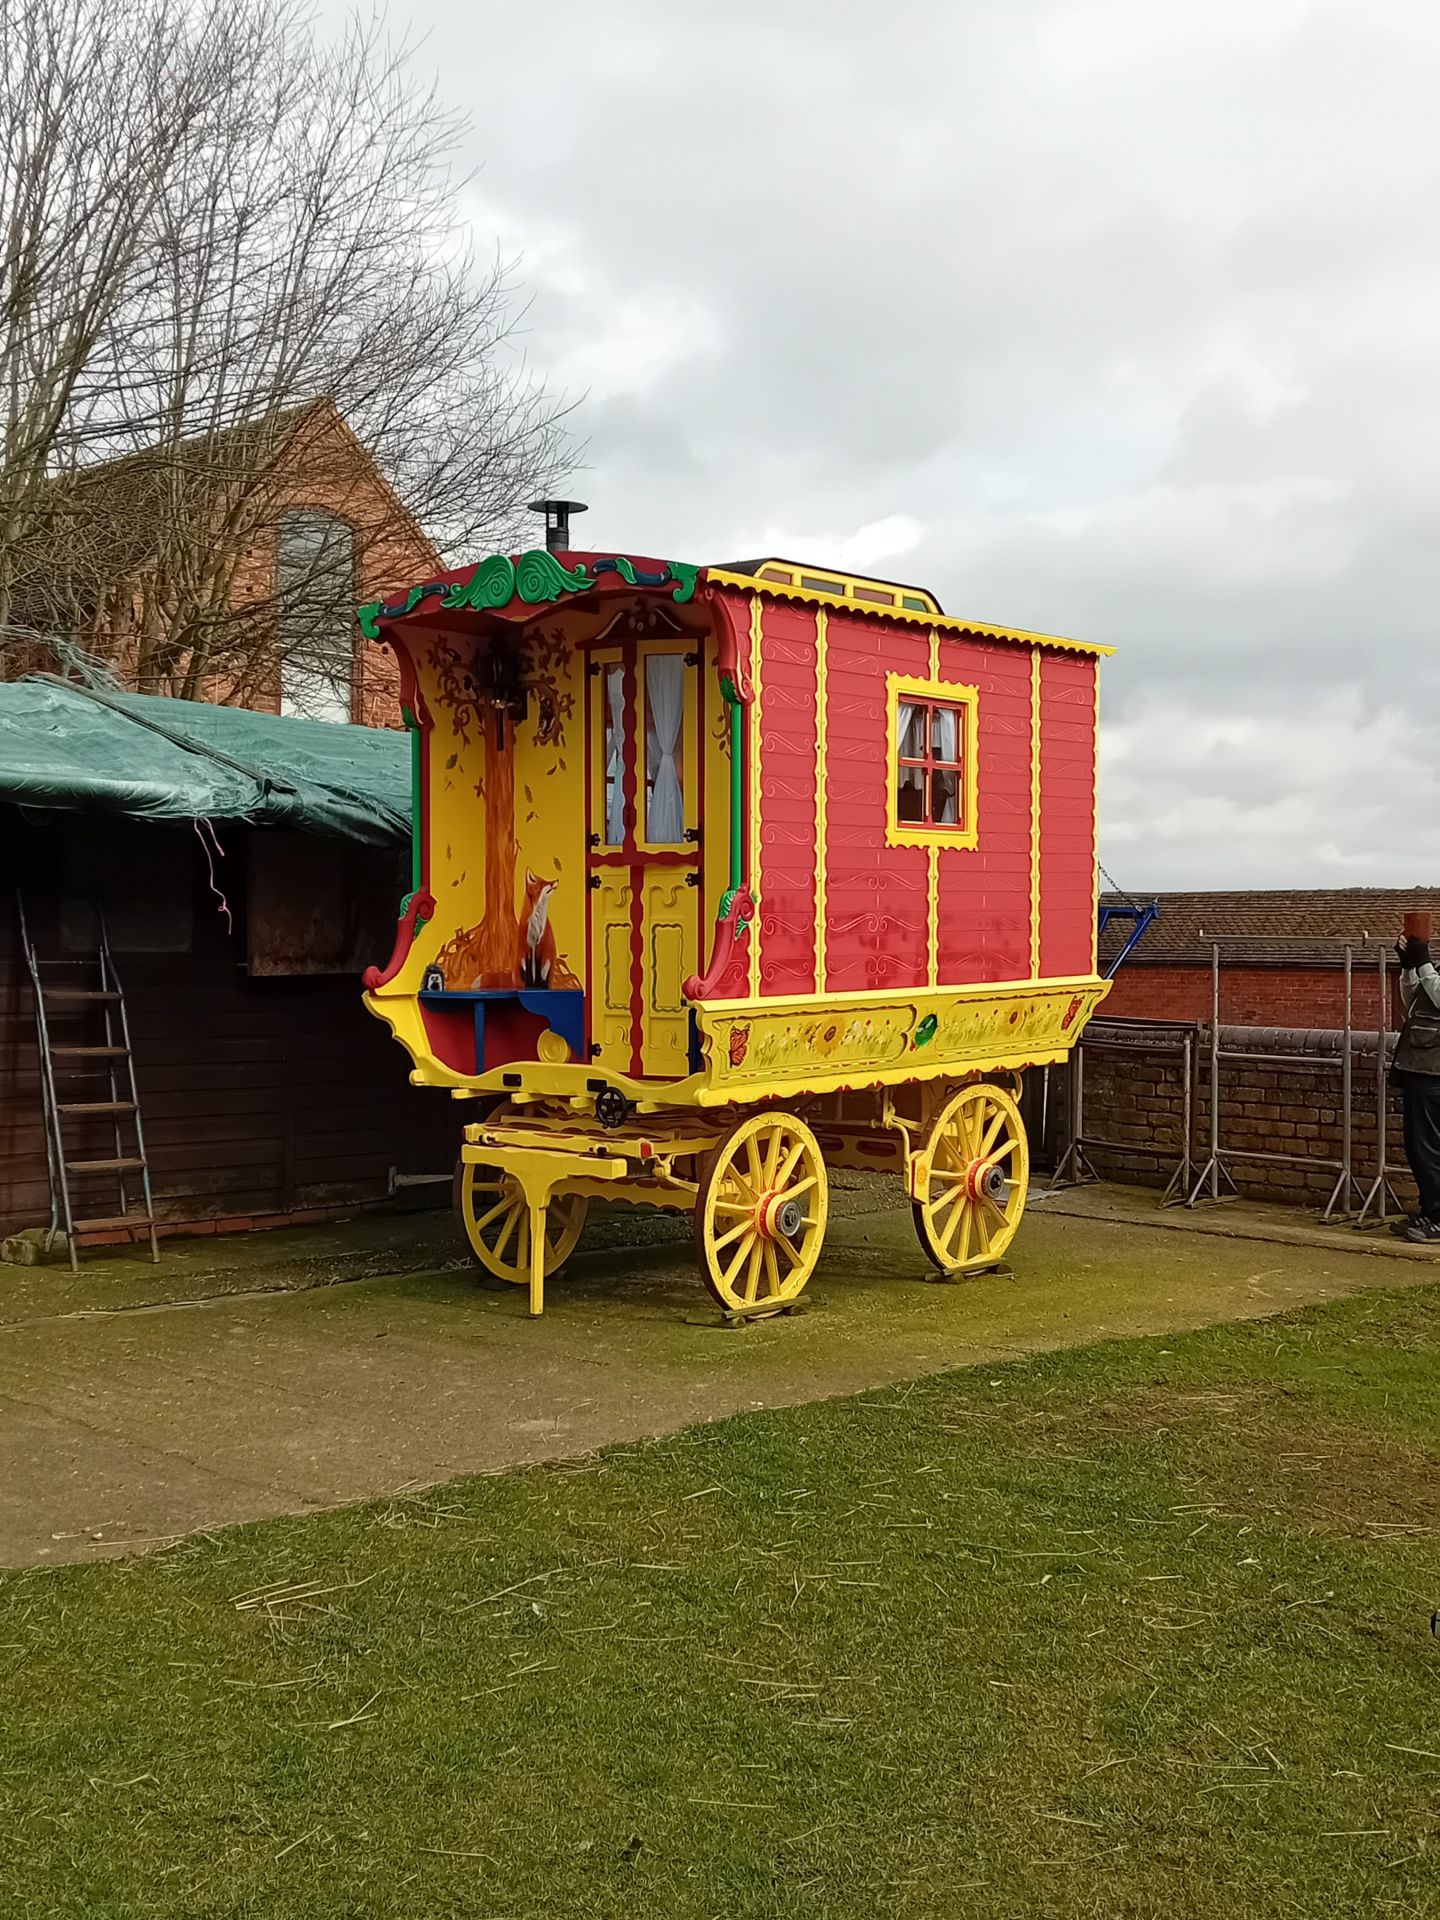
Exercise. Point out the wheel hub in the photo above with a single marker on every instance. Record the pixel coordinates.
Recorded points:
(779, 1215)
(985, 1180)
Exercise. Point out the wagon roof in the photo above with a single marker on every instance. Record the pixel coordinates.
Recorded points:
(513, 586)
(825, 587)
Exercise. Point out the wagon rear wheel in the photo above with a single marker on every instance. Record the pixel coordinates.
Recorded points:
(760, 1218)
(979, 1174)
(495, 1220)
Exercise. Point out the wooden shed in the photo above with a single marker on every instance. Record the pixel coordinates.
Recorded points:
(243, 864)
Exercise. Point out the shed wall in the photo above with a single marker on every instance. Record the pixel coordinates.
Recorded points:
(261, 1098)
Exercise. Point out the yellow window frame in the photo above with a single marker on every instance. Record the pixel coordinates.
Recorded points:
(907, 833)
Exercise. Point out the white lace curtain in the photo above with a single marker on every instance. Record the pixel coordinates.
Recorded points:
(615, 758)
(911, 743)
(665, 687)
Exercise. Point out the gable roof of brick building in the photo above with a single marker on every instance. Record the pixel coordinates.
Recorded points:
(1269, 926)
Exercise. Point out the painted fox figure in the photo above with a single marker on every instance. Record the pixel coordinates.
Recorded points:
(537, 953)
(459, 965)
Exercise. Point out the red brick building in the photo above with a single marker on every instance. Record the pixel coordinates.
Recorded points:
(1282, 955)
(313, 528)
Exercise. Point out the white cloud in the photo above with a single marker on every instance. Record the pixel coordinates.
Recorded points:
(879, 543)
(1099, 317)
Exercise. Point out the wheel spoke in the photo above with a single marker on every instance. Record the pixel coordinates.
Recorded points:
(727, 1278)
(735, 1209)
(772, 1156)
(752, 1277)
(772, 1269)
(947, 1200)
(1004, 1153)
(993, 1132)
(982, 1232)
(802, 1186)
(725, 1239)
(788, 1164)
(501, 1206)
(752, 1161)
(513, 1219)
(967, 1219)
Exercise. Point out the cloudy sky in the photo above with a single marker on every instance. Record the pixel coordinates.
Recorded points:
(1115, 318)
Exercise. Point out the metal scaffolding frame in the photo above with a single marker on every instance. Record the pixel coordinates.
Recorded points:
(1075, 1167)
(1323, 1050)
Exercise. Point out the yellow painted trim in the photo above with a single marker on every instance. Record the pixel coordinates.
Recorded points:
(932, 964)
(822, 754)
(944, 623)
(717, 1083)
(757, 613)
(1095, 831)
(1035, 815)
(932, 905)
(795, 571)
(900, 686)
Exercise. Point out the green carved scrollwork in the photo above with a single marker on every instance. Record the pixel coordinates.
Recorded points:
(685, 577)
(492, 584)
(540, 576)
(535, 577)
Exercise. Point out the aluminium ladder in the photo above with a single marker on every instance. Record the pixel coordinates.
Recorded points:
(73, 1102)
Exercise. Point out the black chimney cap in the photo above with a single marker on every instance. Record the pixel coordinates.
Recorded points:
(557, 520)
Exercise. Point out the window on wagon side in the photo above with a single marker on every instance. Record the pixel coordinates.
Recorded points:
(929, 765)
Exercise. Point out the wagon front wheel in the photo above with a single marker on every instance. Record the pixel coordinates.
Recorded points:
(976, 1173)
(760, 1217)
(495, 1220)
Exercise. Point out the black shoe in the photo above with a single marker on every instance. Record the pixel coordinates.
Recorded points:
(1403, 1225)
(1422, 1232)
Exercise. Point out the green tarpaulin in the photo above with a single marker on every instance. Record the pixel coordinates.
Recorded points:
(85, 751)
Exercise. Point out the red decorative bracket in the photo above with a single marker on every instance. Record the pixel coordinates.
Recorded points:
(732, 646)
(732, 924)
(418, 908)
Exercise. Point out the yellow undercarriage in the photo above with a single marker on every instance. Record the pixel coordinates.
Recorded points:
(551, 1153)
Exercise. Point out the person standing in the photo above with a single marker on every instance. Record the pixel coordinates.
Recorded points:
(1417, 1067)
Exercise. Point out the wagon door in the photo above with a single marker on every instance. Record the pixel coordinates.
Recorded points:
(644, 856)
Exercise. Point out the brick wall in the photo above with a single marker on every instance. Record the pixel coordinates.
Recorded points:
(1136, 1100)
(325, 468)
(1260, 996)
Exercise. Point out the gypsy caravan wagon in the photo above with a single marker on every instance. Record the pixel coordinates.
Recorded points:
(726, 876)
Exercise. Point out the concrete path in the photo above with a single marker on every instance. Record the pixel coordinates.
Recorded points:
(125, 1427)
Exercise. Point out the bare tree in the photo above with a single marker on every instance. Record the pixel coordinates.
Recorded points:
(296, 239)
(97, 98)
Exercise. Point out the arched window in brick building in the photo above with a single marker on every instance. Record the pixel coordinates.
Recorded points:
(315, 629)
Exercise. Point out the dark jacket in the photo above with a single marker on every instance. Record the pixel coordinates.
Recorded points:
(1418, 1049)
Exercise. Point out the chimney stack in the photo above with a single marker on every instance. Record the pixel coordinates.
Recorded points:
(557, 521)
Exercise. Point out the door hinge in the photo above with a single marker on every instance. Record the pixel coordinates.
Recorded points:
(692, 879)
(595, 882)
(692, 834)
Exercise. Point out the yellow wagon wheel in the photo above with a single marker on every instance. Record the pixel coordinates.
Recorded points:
(760, 1217)
(492, 1213)
(979, 1173)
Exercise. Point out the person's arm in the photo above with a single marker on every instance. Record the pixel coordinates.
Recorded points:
(1409, 985)
(1424, 979)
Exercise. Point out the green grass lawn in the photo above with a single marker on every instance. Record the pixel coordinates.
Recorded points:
(1141, 1630)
